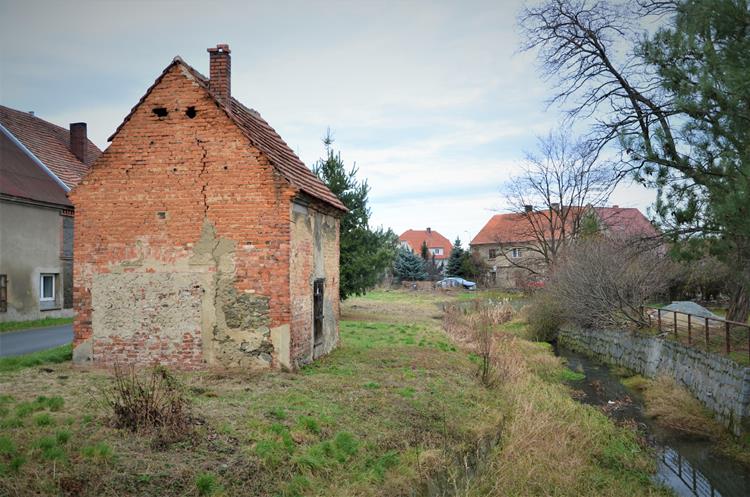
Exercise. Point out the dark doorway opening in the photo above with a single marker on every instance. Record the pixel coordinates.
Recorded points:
(318, 312)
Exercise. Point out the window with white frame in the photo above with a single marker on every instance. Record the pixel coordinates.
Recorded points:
(47, 284)
(436, 251)
(515, 253)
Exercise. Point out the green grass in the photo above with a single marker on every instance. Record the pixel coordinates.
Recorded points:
(353, 423)
(37, 323)
(50, 356)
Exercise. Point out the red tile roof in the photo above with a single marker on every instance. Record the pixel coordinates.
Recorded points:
(261, 135)
(21, 177)
(626, 222)
(511, 228)
(49, 143)
(415, 238)
(516, 227)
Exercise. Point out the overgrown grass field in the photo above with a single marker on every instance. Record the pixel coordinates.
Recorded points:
(376, 417)
(396, 406)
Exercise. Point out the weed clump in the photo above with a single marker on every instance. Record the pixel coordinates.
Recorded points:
(154, 401)
(207, 484)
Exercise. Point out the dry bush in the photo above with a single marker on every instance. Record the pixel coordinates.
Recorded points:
(544, 317)
(474, 326)
(604, 282)
(148, 402)
(674, 407)
(508, 362)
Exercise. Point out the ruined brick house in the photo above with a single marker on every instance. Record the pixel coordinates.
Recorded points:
(201, 238)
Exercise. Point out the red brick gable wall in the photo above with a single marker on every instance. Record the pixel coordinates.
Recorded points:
(186, 198)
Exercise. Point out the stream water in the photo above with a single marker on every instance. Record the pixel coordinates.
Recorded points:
(690, 467)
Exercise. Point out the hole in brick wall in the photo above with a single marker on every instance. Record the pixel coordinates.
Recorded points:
(160, 111)
(161, 215)
(226, 167)
(174, 169)
(191, 112)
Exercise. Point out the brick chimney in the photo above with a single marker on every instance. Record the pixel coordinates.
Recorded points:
(528, 208)
(78, 142)
(220, 73)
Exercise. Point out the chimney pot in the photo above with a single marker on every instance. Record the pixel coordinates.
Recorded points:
(615, 206)
(429, 230)
(220, 72)
(555, 206)
(528, 208)
(78, 141)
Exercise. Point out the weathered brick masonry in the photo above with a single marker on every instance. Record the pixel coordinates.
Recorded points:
(198, 237)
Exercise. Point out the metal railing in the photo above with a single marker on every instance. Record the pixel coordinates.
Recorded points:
(717, 333)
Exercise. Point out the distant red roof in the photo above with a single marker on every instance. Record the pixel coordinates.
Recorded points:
(626, 222)
(416, 238)
(262, 136)
(49, 143)
(513, 227)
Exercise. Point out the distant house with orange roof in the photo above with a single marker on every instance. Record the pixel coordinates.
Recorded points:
(438, 246)
(511, 244)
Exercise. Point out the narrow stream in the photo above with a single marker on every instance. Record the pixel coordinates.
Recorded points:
(690, 467)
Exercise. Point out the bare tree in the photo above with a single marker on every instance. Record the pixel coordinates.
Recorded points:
(552, 193)
(604, 281)
(669, 101)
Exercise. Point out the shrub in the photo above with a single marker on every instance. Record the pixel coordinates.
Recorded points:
(604, 282)
(544, 317)
(151, 401)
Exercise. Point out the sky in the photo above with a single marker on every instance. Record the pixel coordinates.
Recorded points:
(431, 100)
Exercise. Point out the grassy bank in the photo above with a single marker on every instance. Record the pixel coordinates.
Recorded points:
(672, 406)
(37, 323)
(379, 415)
(55, 355)
(551, 444)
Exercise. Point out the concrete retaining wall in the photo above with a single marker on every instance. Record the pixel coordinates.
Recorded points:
(721, 384)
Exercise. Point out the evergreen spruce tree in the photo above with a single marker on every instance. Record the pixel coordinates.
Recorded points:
(365, 253)
(424, 251)
(455, 261)
(409, 266)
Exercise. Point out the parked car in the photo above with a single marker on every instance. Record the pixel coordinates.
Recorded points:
(454, 281)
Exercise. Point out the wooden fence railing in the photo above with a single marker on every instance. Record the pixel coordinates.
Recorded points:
(716, 333)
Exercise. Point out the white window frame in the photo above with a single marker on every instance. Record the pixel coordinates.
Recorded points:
(42, 298)
(436, 251)
(515, 253)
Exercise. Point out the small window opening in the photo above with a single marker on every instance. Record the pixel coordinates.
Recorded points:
(191, 112)
(318, 312)
(161, 215)
(160, 111)
(47, 287)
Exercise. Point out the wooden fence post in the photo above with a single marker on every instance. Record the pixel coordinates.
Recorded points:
(708, 347)
(658, 319)
(726, 329)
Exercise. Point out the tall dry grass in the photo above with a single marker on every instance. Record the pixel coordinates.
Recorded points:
(674, 407)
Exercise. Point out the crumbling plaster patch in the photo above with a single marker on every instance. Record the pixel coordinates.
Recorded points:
(157, 304)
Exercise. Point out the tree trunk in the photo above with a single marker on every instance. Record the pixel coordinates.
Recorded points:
(739, 303)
